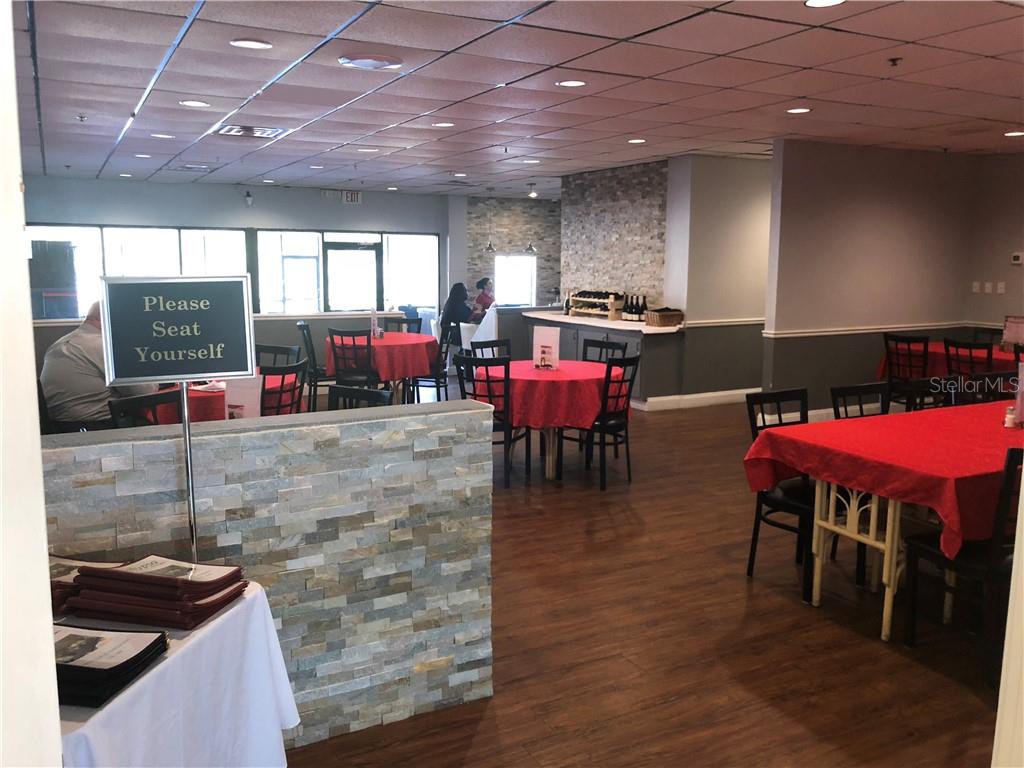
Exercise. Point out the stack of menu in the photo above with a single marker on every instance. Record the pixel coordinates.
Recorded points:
(156, 590)
(94, 664)
(62, 579)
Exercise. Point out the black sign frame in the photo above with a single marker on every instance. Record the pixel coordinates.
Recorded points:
(113, 379)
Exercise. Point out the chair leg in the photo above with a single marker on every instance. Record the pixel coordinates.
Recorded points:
(508, 461)
(604, 462)
(835, 548)
(589, 456)
(910, 625)
(811, 560)
(799, 550)
(948, 596)
(583, 437)
(529, 451)
(558, 448)
(629, 464)
(753, 539)
(862, 554)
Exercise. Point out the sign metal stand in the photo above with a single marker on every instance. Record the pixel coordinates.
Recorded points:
(186, 429)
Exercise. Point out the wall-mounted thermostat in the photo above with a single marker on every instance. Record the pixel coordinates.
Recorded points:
(1017, 258)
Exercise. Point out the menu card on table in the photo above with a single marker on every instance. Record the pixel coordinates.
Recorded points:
(545, 347)
(63, 571)
(94, 664)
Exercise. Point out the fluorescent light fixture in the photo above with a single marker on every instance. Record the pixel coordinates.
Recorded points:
(459, 175)
(392, 189)
(370, 61)
(367, 149)
(799, 110)
(1013, 134)
(316, 167)
(161, 136)
(268, 181)
(193, 103)
(250, 131)
(637, 141)
(531, 161)
(571, 83)
(196, 167)
(125, 175)
(443, 125)
(822, 3)
(144, 157)
(251, 44)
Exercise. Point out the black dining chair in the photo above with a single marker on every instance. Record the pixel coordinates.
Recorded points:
(599, 350)
(860, 400)
(992, 386)
(347, 398)
(274, 354)
(924, 394)
(612, 423)
(965, 358)
(490, 382)
(906, 359)
(985, 563)
(402, 324)
(353, 358)
(141, 410)
(1018, 353)
(495, 348)
(795, 496)
(438, 378)
(282, 388)
(990, 336)
(317, 376)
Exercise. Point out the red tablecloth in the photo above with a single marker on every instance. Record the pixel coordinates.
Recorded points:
(202, 406)
(567, 397)
(948, 459)
(1001, 361)
(397, 355)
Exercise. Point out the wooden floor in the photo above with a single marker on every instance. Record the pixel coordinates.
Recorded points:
(627, 634)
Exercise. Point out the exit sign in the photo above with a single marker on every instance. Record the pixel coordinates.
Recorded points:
(353, 198)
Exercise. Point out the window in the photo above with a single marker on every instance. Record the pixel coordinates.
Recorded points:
(142, 252)
(289, 270)
(410, 271)
(515, 280)
(65, 270)
(351, 276)
(213, 252)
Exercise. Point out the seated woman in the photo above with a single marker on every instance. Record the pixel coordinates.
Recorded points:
(484, 301)
(455, 311)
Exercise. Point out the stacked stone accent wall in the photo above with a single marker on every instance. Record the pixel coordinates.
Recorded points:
(613, 230)
(369, 530)
(513, 224)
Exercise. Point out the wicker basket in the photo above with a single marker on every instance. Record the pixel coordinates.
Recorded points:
(664, 319)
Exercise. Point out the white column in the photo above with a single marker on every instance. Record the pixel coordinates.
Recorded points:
(28, 684)
(677, 231)
(1008, 749)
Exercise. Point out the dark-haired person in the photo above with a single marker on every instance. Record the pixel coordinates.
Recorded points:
(484, 300)
(455, 311)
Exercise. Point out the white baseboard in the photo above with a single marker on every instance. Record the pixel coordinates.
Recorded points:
(697, 400)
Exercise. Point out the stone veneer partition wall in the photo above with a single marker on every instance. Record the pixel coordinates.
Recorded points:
(613, 230)
(369, 530)
(512, 225)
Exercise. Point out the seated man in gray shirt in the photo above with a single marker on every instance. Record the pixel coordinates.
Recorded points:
(73, 377)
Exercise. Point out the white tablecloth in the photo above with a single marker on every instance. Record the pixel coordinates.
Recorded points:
(220, 696)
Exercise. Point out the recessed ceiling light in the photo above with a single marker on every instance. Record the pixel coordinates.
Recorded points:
(125, 175)
(144, 157)
(254, 45)
(316, 167)
(1014, 134)
(571, 83)
(367, 149)
(268, 181)
(443, 125)
(161, 136)
(799, 110)
(637, 141)
(392, 189)
(370, 61)
(822, 3)
(532, 192)
(459, 175)
(531, 162)
(193, 103)
(196, 167)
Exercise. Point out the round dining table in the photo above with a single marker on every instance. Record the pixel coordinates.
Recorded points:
(203, 405)
(396, 355)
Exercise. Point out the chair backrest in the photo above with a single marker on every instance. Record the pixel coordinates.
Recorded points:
(141, 410)
(776, 409)
(598, 350)
(906, 357)
(850, 402)
(987, 335)
(1005, 525)
(964, 358)
(992, 386)
(282, 388)
(1018, 353)
(273, 354)
(619, 377)
(346, 398)
(402, 324)
(307, 343)
(440, 368)
(352, 350)
(936, 392)
(46, 426)
(486, 380)
(494, 348)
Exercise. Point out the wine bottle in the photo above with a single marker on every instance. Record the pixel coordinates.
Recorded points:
(625, 307)
(643, 310)
(627, 313)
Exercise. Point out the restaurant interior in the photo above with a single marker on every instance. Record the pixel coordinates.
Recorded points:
(527, 383)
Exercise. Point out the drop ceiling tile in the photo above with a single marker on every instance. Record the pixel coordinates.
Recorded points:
(984, 105)
(479, 69)
(94, 74)
(540, 46)
(596, 82)
(656, 91)
(479, 111)
(433, 88)
(415, 28)
(521, 98)
(478, 9)
(797, 12)
(169, 100)
(637, 59)
(727, 72)
(598, 106)
(336, 77)
(715, 32)
(672, 113)
(201, 87)
(426, 122)
(304, 16)
(925, 18)
(912, 58)
(622, 125)
(807, 82)
(411, 58)
(394, 103)
(105, 23)
(891, 93)
(732, 100)
(680, 131)
(815, 47)
(354, 116)
(307, 95)
(1004, 78)
(996, 39)
(619, 20)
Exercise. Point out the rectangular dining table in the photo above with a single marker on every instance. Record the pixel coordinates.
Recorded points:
(947, 459)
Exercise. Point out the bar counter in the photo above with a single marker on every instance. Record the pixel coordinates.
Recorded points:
(370, 529)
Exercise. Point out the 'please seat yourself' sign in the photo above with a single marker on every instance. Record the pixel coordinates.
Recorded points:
(176, 329)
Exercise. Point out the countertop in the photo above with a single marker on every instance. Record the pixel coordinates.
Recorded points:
(593, 322)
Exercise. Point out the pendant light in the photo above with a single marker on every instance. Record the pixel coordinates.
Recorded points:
(489, 248)
(529, 248)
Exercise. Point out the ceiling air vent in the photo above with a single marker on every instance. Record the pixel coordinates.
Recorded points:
(250, 131)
